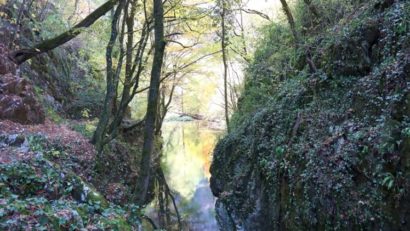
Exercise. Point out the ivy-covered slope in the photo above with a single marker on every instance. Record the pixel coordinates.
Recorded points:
(328, 150)
(45, 174)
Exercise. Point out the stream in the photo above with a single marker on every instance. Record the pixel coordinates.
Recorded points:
(187, 156)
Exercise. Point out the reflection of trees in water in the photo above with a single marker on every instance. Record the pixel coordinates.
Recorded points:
(187, 148)
(193, 131)
(166, 202)
(169, 145)
(173, 211)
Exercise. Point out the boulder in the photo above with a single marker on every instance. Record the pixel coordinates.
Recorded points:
(18, 102)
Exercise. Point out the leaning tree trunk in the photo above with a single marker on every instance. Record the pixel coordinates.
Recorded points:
(291, 21)
(153, 96)
(22, 55)
(112, 78)
(225, 63)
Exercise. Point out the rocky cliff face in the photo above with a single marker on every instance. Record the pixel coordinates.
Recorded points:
(17, 100)
(67, 81)
(330, 150)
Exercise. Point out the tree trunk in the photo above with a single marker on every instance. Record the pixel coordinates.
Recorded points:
(22, 55)
(244, 46)
(134, 67)
(162, 181)
(291, 21)
(153, 96)
(292, 25)
(225, 62)
(125, 97)
(98, 137)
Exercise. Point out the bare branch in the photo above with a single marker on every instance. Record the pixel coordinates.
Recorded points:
(255, 12)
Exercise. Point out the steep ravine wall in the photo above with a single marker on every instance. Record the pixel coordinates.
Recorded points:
(329, 153)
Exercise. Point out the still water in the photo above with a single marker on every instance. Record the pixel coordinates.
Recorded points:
(187, 157)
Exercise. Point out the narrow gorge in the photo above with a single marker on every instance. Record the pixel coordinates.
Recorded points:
(205, 115)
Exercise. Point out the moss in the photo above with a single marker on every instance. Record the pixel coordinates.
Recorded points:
(86, 129)
(53, 115)
(117, 224)
(94, 197)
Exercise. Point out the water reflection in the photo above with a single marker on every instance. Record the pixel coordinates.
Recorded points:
(186, 161)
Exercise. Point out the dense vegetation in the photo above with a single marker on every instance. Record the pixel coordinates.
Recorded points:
(322, 148)
(315, 98)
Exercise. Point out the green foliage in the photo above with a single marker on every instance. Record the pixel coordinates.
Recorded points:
(86, 129)
(331, 12)
(36, 143)
(38, 194)
(273, 60)
(406, 132)
(388, 181)
(40, 145)
(52, 26)
(71, 78)
(53, 115)
(329, 148)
